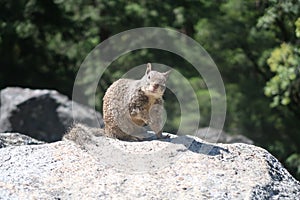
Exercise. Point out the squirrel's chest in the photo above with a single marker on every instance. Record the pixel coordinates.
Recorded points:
(139, 108)
(143, 102)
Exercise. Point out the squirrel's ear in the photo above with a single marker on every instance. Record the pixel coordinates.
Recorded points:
(166, 74)
(148, 70)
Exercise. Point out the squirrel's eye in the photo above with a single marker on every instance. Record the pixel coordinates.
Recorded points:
(149, 77)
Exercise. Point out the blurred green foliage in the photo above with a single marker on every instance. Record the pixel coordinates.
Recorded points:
(255, 44)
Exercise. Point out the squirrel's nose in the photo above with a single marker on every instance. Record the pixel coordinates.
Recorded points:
(155, 86)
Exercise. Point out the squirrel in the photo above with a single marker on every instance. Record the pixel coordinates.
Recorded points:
(129, 105)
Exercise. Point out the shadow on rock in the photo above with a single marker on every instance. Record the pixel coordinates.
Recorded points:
(198, 147)
(193, 145)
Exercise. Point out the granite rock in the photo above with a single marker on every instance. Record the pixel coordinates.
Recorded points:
(182, 167)
(42, 114)
(16, 139)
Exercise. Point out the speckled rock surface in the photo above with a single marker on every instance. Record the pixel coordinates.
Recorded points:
(16, 139)
(178, 168)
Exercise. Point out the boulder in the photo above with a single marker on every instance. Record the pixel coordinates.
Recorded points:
(183, 167)
(16, 139)
(214, 135)
(42, 114)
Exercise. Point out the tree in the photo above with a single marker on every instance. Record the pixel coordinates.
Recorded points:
(42, 43)
(282, 18)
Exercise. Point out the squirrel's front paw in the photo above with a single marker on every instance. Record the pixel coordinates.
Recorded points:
(161, 136)
(166, 136)
(134, 112)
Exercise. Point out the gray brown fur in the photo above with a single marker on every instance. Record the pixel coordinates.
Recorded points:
(129, 104)
(82, 134)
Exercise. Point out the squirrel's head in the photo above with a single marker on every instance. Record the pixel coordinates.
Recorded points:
(155, 82)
